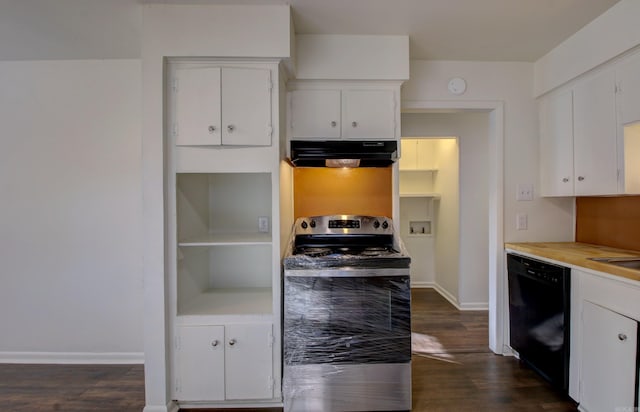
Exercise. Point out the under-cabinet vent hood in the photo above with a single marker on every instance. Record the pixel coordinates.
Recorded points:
(344, 153)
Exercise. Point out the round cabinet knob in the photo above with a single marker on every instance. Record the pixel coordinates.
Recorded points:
(565, 179)
(580, 178)
(313, 223)
(354, 124)
(231, 128)
(385, 225)
(334, 123)
(376, 224)
(232, 342)
(303, 224)
(622, 336)
(212, 129)
(214, 343)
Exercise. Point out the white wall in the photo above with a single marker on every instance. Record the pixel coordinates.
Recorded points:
(69, 29)
(70, 227)
(508, 82)
(448, 230)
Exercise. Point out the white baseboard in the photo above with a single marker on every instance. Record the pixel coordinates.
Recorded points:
(171, 407)
(103, 358)
(422, 285)
(155, 409)
(450, 298)
(474, 306)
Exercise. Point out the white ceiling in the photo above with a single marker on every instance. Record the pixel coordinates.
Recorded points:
(496, 30)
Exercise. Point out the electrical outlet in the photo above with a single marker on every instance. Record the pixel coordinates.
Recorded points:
(522, 221)
(263, 224)
(524, 191)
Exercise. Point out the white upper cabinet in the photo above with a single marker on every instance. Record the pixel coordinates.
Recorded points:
(316, 113)
(556, 144)
(369, 114)
(340, 111)
(595, 143)
(197, 106)
(590, 134)
(628, 77)
(222, 106)
(417, 155)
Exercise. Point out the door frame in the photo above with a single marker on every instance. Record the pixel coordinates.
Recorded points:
(497, 279)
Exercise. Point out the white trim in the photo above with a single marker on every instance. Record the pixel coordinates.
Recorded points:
(248, 404)
(170, 407)
(447, 295)
(422, 285)
(91, 358)
(497, 278)
(474, 306)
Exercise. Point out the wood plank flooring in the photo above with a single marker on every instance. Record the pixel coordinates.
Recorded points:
(453, 370)
(102, 388)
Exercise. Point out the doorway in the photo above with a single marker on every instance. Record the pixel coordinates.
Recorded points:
(462, 252)
(429, 212)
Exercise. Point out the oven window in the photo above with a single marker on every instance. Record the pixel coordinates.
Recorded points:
(347, 320)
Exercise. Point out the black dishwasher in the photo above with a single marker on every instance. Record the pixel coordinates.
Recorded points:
(539, 314)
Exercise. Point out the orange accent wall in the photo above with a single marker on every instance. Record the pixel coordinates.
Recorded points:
(327, 191)
(609, 221)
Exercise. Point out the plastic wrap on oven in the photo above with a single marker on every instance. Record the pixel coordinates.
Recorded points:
(399, 259)
(342, 347)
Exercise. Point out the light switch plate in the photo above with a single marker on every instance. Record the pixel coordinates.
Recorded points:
(263, 224)
(522, 221)
(524, 191)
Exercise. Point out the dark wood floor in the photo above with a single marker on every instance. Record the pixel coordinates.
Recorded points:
(103, 388)
(453, 370)
(464, 375)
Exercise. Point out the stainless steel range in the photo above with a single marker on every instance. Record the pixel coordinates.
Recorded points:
(347, 316)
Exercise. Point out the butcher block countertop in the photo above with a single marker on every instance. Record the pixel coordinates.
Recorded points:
(578, 254)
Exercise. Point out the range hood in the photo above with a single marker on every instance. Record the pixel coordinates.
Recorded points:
(344, 153)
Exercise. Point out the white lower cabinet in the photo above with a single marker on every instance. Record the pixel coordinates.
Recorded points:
(200, 363)
(230, 362)
(609, 368)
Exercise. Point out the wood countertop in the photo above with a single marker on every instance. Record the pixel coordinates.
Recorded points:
(578, 254)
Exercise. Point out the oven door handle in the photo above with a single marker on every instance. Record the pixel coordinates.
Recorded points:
(347, 272)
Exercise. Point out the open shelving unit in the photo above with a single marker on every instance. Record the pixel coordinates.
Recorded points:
(224, 261)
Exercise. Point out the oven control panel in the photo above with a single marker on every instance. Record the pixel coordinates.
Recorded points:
(344, 224)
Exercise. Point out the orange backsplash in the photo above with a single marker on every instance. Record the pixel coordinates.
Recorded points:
(609, 221)
(328, 191)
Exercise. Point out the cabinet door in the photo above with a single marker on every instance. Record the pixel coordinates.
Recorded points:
(608, 373)
(595, 150)
(556, 144)
(628, 77)
(409, 154)
(315, 114)
(369, 114)
(197, 106)
(246, 107)
(200, 363)
(249, 361)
